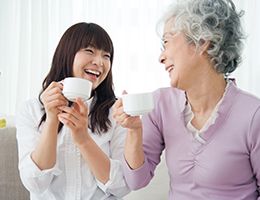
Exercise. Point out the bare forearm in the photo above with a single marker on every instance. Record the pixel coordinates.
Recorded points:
(44, 154)
(134, 153)
(97, 160)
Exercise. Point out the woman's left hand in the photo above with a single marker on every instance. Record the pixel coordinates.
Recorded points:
(76, 118)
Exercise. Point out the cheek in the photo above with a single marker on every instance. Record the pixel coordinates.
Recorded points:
(75, 67)
(104, 76)
(106, 70)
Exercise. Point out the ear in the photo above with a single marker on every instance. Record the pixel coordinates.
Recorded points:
(204, 46)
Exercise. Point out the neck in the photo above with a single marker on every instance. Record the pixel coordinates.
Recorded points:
(206, 92)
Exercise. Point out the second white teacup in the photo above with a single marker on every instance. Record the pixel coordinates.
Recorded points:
(74, 87)
(137, 104)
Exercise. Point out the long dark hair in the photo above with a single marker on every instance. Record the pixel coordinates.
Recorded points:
(77, 37)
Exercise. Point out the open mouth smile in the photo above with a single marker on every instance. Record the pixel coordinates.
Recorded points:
(169, 68)
(92, 72)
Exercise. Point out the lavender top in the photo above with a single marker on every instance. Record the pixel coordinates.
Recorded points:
(226, 166)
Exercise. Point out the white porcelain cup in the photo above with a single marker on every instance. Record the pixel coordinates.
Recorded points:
(137, 104)
(76, 87)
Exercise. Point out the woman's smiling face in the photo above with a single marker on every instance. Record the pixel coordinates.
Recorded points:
(178, 57)
(92, 64)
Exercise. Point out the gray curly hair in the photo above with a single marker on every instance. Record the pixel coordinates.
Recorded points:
(215, 21)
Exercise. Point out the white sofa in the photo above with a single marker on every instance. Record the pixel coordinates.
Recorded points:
(11, 187)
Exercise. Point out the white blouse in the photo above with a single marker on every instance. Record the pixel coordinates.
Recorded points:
(70, 178)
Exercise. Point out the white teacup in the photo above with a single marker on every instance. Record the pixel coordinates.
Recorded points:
(74, 87)
(137, 104)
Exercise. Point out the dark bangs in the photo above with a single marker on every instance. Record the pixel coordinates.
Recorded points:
(97, 37)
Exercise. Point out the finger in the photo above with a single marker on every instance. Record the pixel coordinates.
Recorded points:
(133, 122)
(120, 116)
(66, 122)
(118, 103)
(61, 82)
(118, 110)
(127, 121)
(124, 92)
(68, 118)
(54, 97)
(55, 90)
(55, 103)
(55, 84)
(50, 92)
(70, 111)
(82, 108)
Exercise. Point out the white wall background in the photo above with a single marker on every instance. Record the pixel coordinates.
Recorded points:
(31, 29)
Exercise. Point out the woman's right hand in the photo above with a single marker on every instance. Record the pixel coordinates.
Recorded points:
(125, 120)
(133, 153)
(52, 98)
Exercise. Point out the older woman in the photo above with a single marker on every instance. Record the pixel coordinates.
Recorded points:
(209, 128)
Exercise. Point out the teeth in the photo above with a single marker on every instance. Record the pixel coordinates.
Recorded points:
(97, 73)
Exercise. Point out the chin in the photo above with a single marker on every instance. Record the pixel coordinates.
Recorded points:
(173, 83)
(94, 87)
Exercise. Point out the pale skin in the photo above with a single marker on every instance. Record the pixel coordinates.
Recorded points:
(74, 117)
(190, 70)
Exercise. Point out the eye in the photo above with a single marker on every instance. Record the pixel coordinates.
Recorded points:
(165, 42)
(107, 56)
(89, 50)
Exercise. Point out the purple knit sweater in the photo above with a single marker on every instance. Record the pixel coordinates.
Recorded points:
(226, 167)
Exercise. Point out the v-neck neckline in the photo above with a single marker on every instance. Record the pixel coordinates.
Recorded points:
(223, 112)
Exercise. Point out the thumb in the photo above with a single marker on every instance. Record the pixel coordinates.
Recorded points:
(124, 92)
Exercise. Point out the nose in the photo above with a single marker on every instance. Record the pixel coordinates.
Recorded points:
(98, 60)
(162, 58)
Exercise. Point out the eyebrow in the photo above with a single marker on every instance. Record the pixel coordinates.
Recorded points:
(168, 34)
(165, 34)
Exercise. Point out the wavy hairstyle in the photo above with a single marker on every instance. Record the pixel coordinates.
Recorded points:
(77, 37)
(215, 21)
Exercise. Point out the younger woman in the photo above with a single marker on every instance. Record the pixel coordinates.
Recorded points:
(71, 150)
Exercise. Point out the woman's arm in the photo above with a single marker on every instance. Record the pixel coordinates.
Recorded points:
(255, 148)
(107, 169)
(76, 119)
(29, 136)
(134, 153)
(97, 160)
(44, 154)
(37, 149)
(143, 147)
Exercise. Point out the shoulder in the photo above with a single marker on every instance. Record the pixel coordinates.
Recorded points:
(168, 104)
(169, 97)
(168, 94)
(249, 96)
(31, 105)
(247, 101)
(30, 109)
(248, 109)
